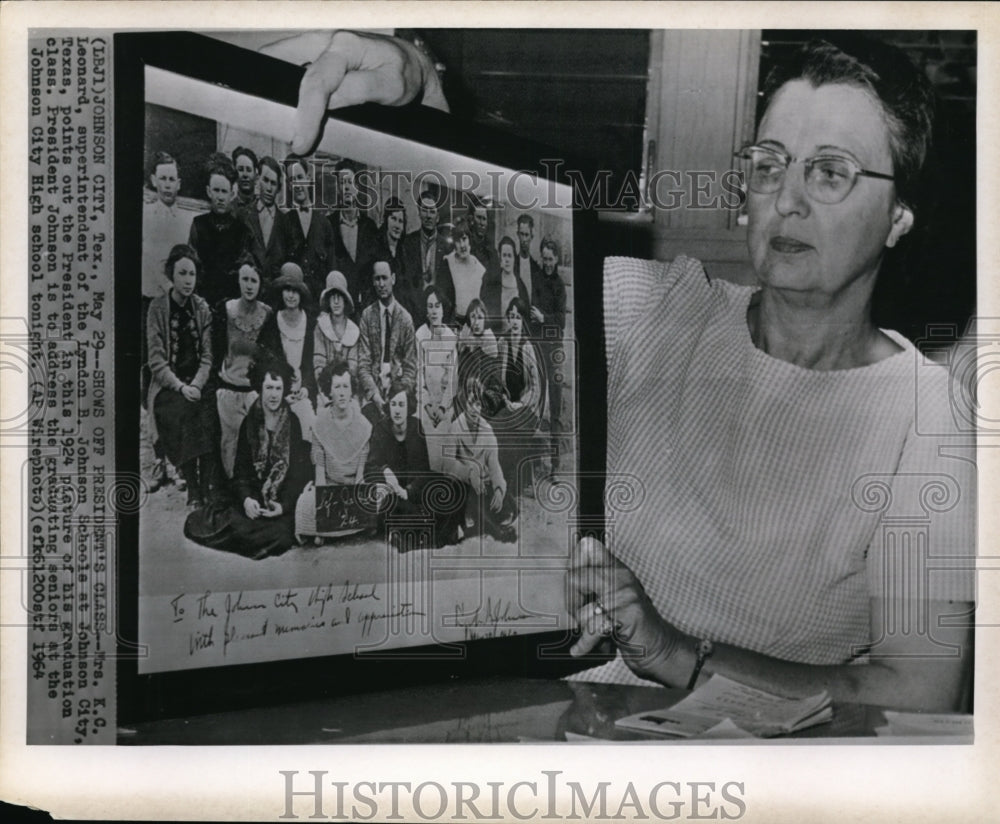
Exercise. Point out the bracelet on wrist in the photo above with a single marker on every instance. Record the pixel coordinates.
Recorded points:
(703, 651)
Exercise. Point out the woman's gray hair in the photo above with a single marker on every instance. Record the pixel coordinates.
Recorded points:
(902, 92)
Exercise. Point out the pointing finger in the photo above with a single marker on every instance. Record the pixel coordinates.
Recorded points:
(321, 79)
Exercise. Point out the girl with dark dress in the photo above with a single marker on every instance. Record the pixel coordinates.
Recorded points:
(516, 423)
(272, 465)
(398, 465)
(501, 286)
(178, 336)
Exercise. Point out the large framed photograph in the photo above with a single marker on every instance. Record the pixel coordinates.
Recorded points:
(359, 428)
(227, 525)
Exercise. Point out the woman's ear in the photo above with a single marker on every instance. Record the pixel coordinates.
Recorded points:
(902, 222)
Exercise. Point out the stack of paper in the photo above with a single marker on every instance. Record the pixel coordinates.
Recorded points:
(925, 723)
(724, 708)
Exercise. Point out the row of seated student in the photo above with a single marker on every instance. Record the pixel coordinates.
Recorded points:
(201, 393)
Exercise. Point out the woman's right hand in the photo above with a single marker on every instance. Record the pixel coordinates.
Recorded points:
(608, 603)
(347, 67)
(190, 393)
(251, 508)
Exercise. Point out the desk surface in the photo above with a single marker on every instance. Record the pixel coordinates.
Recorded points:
(496, 710)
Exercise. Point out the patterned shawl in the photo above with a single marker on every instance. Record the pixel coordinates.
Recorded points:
(271, 456)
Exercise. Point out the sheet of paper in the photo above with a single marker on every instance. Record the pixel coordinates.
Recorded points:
(748, 707)
(753, 710)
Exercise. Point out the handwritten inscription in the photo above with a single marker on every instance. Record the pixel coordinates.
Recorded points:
(490, 620)
(228, 618)
(335, 617)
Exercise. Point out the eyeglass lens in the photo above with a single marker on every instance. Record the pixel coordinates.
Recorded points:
(828, 179)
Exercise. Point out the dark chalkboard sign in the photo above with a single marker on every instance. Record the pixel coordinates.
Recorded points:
(344, 510)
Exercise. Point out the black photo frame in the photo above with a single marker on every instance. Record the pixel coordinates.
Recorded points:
(145, 695)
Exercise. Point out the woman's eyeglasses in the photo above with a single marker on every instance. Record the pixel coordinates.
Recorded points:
(829, 178)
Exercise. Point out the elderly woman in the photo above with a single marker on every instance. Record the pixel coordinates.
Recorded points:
(178, 338)
(290, 333)
(336, 336)
(398, 466)
(437, 372)
(339, 437)
(465, 270)
(236, 327)
(272, 465)
(501, 286)
(758, 419)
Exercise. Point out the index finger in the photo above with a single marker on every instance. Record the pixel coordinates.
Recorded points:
(321, 79)
(589, 552)
(590, 573)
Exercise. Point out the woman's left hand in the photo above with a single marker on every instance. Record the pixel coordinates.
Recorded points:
(609, 603)
(190, 393)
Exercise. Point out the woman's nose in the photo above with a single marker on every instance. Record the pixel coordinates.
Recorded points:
(792, 197)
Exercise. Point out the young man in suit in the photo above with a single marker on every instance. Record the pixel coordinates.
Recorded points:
(424, 251)
(267, 223)
(548, 312)
(312, 244)
(483, 245)
(527, 268)
(219, 237)
(245, 161)
(355, 234)
(387, 348)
